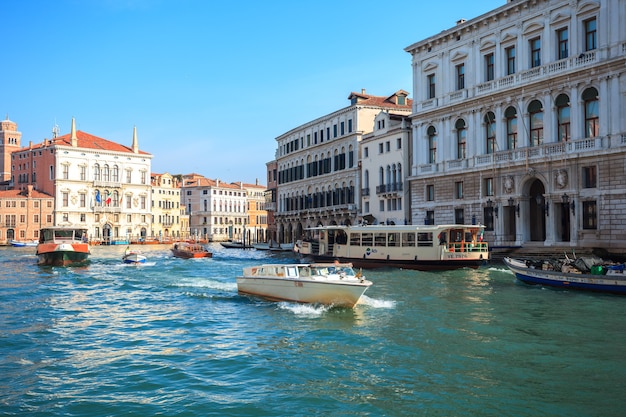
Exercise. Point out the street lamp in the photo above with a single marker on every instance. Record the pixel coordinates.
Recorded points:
(512, 204)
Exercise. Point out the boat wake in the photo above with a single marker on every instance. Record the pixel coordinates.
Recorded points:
(374, 303)
(310, 310)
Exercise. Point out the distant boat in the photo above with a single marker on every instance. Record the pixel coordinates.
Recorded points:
(190, 250)
(231, 244)
(329, 284)
(62, 246)
(23, 243)
(573, 274)
(133, 257)
(274, 246)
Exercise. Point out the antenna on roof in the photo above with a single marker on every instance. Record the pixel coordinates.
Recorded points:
(55, 129)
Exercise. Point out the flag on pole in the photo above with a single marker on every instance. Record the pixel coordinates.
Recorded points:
(108, 200)
(98, 200)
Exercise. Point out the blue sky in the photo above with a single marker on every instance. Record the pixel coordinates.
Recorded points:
(208, 84)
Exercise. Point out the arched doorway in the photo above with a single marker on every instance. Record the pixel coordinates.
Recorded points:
(537, 212)
(106, 234)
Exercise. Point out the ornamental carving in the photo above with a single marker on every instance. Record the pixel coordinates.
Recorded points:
(560, 177)
(509, 184)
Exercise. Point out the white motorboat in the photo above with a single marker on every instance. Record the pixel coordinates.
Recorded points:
(335, 284)
(133, 257)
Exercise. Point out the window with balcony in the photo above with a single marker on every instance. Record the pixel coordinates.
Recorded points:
(563, 118)
(432, 144)
(431, 84)
(511, 128)
(562, 47)
(510, 60)
(460, 76)
(535, 114)
(590, 34)
(490, 132)
(535, 52)
(489, 67)
(461, 138)
(592, 114)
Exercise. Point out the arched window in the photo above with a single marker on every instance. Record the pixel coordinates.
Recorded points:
(592, 113)
(116, 173)
(105, 173)
(490, 132)
(461, 138)
(562, 118)
(432, 144)
(535, 114)
(96, 172)
(511, 128)
(366, 179)
(381, 176)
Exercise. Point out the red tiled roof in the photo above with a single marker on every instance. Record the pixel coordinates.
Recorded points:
(85, 140)
(23, 194)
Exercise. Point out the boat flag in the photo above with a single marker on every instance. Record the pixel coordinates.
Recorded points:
(98, 200)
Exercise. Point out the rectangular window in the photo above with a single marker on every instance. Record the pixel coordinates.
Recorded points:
(342, 128)
(590, 34)
(408, 239)
(488, 186)
(460, 76)
(510, 60)
(350, 126)
(459, 216)
(589, 177)
(431, 83)
(590, 217)
(66, 172)
(388, 146)
(458, 189)
(366, 152)
(430, 192)
(535, 52)
(489, 67)
(66, 199)
(83, 173)
(380, 148)
(334, 131)
(429, 219)
(83, 200)
(562, 43)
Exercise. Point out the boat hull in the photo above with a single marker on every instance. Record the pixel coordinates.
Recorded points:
(610, 283)
(424, 265)
(134, 258)
(302, 291)
(190, 251)
(63, 254)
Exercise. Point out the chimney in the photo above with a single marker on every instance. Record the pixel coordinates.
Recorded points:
(362, 90)
(30, 190)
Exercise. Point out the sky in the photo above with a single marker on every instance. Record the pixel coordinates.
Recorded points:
(208, 84)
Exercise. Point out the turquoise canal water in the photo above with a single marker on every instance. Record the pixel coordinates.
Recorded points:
(173, 338)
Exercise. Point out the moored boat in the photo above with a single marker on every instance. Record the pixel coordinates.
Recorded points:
(190, 250)
(333, 284)
(575, 274)
(24, 243)
(274, 246)
(62, 246)
(232, 244)
(133, 257)
(436, 247)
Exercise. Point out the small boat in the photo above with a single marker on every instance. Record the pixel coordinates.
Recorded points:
(274, 246)
(190, 250)
(576, 274)
(133, 257)
(335, 284)
(232, 244)
(24, 243)
(62, 246)
(423, 247)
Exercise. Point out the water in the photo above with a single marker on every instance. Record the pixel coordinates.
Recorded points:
(174, 338)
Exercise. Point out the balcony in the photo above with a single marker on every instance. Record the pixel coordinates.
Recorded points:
(519, 79)
(389, 189)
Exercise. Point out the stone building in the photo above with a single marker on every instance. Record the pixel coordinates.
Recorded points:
(385, 165)
(216, 209)
(518, 124)
(96, 183)
(256, 221)
(23, 213)
(166, 213)
(318, 165)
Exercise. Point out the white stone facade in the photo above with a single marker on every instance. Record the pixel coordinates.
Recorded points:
(318, 172)
(518, 124)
